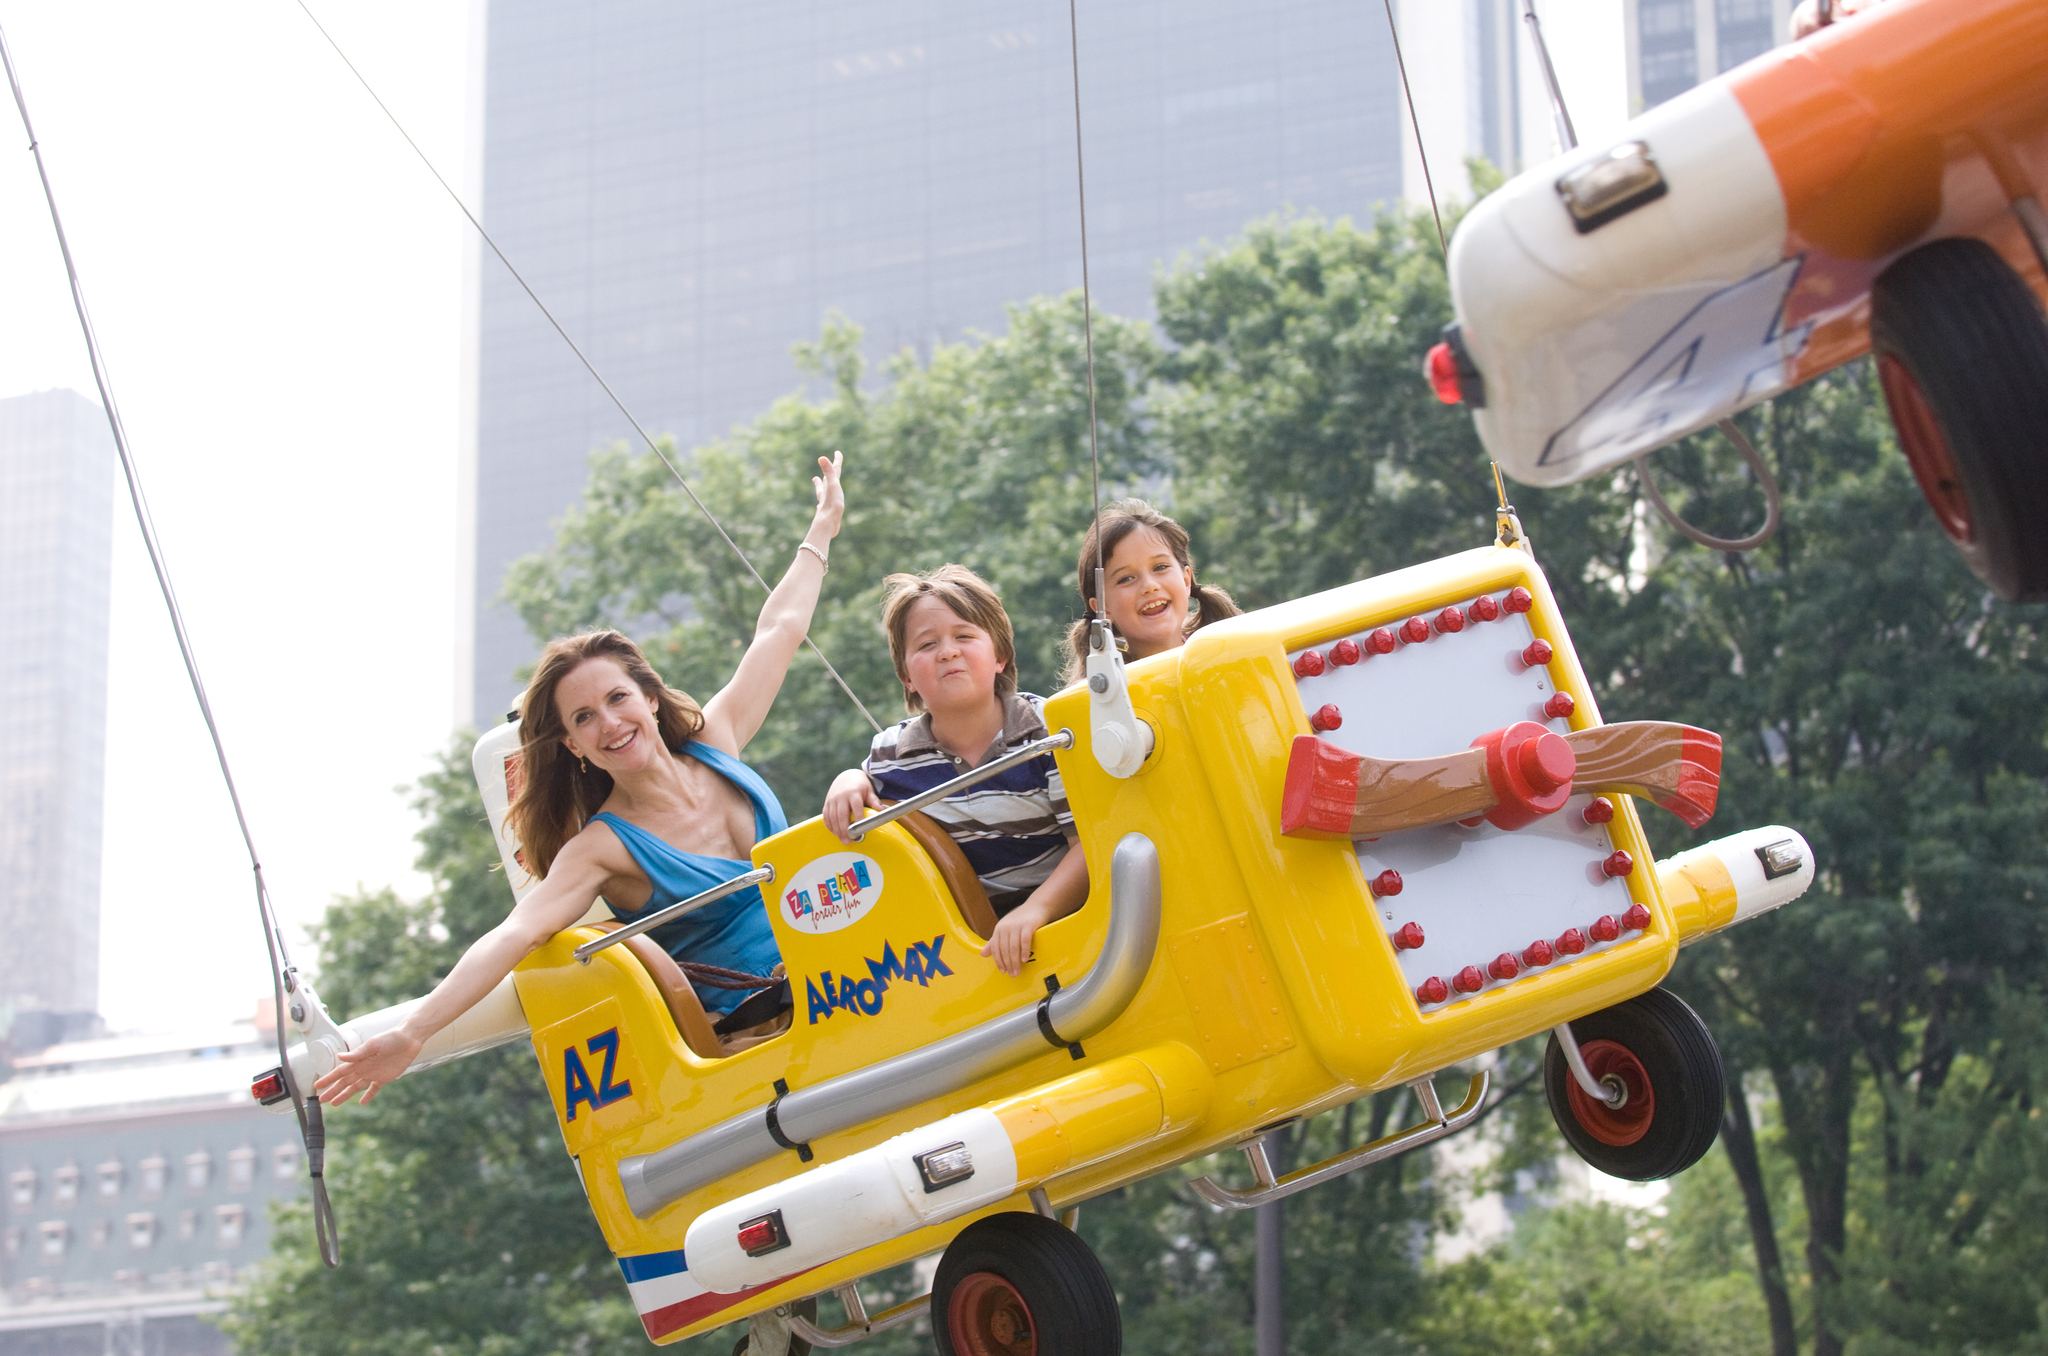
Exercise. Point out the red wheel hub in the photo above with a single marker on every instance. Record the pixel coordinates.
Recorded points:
(1926, 448)
(985, 1316)
(1622, 1125)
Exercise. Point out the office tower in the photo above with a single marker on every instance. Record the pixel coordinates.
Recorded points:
(56, 540)
(692, 188)
(1675, 44)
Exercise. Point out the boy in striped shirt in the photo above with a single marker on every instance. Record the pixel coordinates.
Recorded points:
(957, 660)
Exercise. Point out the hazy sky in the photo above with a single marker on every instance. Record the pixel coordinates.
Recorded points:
(276, 283)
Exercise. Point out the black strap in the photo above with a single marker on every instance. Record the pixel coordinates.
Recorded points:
(1053, 1038)
(763, 1006)
(803, 1151)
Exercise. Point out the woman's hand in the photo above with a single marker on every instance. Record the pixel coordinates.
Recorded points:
(851, 793)
(368, 1067)
(831, 498)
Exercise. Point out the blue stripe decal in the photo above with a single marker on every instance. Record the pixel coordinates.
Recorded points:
(650, 1266)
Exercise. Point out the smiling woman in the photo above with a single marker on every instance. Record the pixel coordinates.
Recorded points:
(633, 793)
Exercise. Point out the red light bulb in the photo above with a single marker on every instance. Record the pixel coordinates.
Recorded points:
(1327, 717)
(1308, 663)
(1380, 641)
(1441, 366)
(1559, 706)
(1432, 990)
(1450, 620)
(1604, 928)
(1620, 864)
(1468, 980)
(1572, 942)
(1386, 883)
(1636, 919)
(1503, 966)
(1346, 652)
(1485, 607)
(1601, 811)
(1518, 599)
(1408, 937)
(1415, 630)
(1537, 653)
(1538, 953)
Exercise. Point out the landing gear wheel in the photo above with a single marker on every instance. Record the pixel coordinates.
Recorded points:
(1023, 1285)
(1962, 354)
(1665, 1059)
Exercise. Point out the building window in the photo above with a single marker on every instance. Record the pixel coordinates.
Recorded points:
(21, 1189)
(154, 1173)
(142, 1230)
(188, 1225)
(101, 1231)
(10, 1243)
(242, 1169)
(64, 1186)
(109, 1175)
(227, 1225)
(198, 1171)
(284, 1163)
(56, 1235)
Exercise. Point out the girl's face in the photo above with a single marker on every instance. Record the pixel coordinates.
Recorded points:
(1148, 593)
(608, 718)
(952, 662)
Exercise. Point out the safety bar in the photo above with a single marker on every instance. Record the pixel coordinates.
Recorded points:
(858, 1325)
(1435, 1125)
(1023, 753)
(760, 875)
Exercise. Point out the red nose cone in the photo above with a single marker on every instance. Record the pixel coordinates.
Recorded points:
(1572, 943)
(1559, 706)
(1380, 641)
(1518, 599)
(1415, 630)
(1537, 654)
(1327, 717)
(1387, 883)
(1346, 652)
(1605, 929)
(1450, 619)
(1538, 954)
(1485, 608)
(1408, 937)
(1601, 811)
(1308, 663)
(1636, 919)
(1468, 980)
(1504, 966)
(1432, 990)
(1546, 762)
(1442, 367)
(1620, 864)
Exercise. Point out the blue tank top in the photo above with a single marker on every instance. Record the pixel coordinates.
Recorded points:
(734, 932)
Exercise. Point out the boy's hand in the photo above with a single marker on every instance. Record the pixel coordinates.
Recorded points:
(851, 793)
(1011, 944)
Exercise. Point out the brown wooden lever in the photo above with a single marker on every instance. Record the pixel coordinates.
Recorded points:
(1333, 793)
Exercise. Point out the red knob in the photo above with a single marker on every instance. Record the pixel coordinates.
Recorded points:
(1546, 762)
(1601, 811)
(1559, 705)
(1572, 943)
(1604, 928)
(1308, 663)
(1415, 630)
(1503, 966)
(1408, 937)
(1386, 883)
(1468, 980)
(1637, 918)
(1346, 652)
(1432, 990)
(1620, 864)
(1450, 619)
(1537, 653)
(1327, 717)
(1538, 954)
(1518, 599)
(1485, 608)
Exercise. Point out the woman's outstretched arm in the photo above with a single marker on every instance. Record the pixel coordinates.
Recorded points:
(577, 877)
(733, 716)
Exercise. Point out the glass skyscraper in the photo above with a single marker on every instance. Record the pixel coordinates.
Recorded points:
(1675, 44)
(692, 188)
(56, 543)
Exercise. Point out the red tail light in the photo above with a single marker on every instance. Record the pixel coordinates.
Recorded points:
(1442, 367)
(268, 1088)
(763, 1235)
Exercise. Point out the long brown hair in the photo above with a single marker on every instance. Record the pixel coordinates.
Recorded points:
(971, 598)
(1117, 521)
(556, 796)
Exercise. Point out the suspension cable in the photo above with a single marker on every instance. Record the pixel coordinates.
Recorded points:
(574, 348)
(283, 975)
(1087, 312)
(1421, 151)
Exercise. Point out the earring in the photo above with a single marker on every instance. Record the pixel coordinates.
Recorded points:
(585, 762)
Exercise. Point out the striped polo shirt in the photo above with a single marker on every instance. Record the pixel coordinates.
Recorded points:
(1013, 827)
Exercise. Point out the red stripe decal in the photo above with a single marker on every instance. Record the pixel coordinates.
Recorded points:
(661, 1322)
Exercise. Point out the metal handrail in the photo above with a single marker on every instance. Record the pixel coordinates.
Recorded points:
(859, 1326)
(1023, 753)
(760, 875)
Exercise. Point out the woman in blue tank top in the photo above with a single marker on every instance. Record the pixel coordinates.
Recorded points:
(632, 793)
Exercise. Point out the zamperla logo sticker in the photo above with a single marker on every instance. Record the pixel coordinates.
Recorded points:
(832, 892)
(920, 961)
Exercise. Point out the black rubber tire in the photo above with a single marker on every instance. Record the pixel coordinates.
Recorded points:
(1962, 345)
(1684, 1066)
(1061, 1281)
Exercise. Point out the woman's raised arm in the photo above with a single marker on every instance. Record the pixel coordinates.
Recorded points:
(733, 716)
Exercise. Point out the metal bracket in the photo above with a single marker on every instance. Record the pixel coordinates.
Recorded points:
(1609, 1091)
(1119, 740)
(858, 1325)
(1434, 1126)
